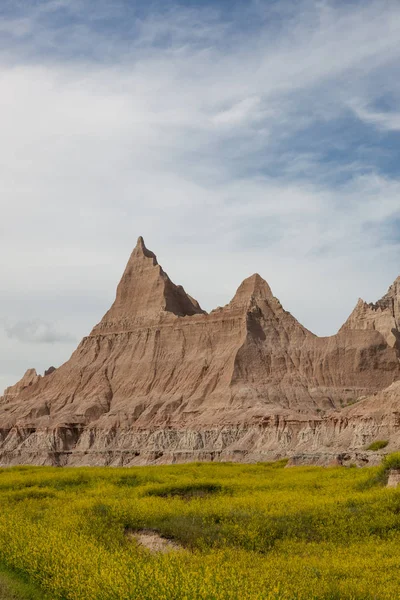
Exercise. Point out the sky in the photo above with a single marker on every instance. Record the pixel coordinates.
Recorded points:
(235, 137)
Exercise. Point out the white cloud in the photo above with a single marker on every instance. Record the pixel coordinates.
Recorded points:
(181, 145)
(387, 121)
(37, 332)
(239, 112)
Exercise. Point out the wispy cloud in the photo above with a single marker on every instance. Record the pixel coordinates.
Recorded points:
(246, 109)
(387, 121)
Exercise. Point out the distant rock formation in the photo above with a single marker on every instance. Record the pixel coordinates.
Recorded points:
(383, 316)
(27, 380)
(160, 380)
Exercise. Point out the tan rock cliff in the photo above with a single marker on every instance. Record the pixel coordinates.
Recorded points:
(159, 380)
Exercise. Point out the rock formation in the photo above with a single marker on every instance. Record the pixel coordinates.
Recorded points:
(160, 380)
(383, 316)
(27, 380)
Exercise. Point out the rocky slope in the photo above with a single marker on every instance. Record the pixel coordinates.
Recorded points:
(160, 380)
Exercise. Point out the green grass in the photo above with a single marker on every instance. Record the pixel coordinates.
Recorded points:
(259, 532)
(378, 445)
(12, 587)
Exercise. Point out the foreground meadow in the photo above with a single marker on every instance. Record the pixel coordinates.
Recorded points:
(245, 531)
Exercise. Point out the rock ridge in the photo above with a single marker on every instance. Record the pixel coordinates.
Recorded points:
(382, 316)
(161, 380)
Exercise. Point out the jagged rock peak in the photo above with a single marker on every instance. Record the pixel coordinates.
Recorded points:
(144, 292)
(382, 316)
(140, 250)
(391, 301)
(30, 377)
(253, 287)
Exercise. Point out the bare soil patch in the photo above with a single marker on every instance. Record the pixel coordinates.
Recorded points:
(152, 540)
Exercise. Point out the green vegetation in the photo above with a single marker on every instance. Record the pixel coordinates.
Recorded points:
(245, 531)
(378, 445)
(13, 587)
(187, 490)
(392, 461)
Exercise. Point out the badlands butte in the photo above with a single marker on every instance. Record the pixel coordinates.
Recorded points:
(159, 380)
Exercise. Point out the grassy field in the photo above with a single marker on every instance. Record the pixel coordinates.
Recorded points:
(245, 531)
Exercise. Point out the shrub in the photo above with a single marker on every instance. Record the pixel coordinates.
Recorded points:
(378, 445)
(391, 461)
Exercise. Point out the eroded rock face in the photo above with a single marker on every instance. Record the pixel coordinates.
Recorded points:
(383, 316)
(159, 380)
(29, 379)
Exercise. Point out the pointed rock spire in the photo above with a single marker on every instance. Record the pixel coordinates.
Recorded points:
(145, 291)
(141, 250)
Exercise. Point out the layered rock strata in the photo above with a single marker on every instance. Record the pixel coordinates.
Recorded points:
(160, 380)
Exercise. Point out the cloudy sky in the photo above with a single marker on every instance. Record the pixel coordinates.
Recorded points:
(236, 137)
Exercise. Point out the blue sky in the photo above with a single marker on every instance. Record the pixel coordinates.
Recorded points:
(234, 136)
